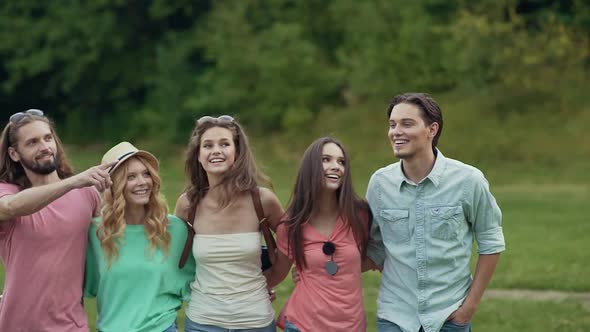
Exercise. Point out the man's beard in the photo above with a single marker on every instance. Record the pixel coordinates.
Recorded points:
(40, 168)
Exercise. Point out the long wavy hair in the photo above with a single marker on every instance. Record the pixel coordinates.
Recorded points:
(13, 172)
(243, 176)
(306, 195)
(110, 232)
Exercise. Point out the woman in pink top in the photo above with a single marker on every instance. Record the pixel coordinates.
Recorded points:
(325, 233)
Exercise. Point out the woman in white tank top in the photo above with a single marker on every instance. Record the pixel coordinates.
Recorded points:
(229, 291)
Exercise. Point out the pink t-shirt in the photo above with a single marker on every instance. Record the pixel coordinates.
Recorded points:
(43, 255)
(321, 302)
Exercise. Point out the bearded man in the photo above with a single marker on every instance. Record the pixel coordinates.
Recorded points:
(45, 212)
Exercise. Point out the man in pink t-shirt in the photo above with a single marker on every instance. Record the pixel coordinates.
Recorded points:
(45, 212)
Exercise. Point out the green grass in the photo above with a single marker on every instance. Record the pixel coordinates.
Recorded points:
(545, 229)
(502, 315)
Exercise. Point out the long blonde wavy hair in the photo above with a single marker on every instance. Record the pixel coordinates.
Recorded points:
(111, 231)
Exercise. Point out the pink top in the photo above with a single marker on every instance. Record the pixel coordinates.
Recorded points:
(43, 255)
(321, 302)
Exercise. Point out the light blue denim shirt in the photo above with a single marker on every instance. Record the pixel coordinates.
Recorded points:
(423, 233)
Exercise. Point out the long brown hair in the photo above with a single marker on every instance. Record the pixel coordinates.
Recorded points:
(303, 202)
(111, 230)
(13, 172)
(244, 175)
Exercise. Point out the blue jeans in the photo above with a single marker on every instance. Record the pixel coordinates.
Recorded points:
(289, 327)
(387, 326)
(454, 327)
(172, 328)
(190, 326)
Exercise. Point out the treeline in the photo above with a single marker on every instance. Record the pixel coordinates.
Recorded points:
(128, 68)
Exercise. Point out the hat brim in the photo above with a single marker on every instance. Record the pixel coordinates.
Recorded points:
(150, 158)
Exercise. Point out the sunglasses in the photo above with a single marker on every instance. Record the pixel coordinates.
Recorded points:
(215, 120)
(18, 116)
(329, 249)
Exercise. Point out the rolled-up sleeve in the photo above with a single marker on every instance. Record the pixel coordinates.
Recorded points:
(485, 217)
(375, 248)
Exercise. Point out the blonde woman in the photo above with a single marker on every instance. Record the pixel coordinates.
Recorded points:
(134, 249)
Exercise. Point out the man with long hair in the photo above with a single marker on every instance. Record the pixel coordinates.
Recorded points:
(45, 212)
(428, 211)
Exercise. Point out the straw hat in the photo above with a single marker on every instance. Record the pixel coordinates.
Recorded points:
(124, 151)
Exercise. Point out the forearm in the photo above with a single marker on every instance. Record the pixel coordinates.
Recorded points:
(274, 276)
(278, 271)
(486, 265)
(368, 265)
(33, 199)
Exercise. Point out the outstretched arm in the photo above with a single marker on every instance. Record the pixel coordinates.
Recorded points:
(34, 199)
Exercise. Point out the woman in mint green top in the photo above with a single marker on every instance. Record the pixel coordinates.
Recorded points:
(134, 249)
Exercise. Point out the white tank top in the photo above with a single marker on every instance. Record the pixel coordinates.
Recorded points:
(229, 290)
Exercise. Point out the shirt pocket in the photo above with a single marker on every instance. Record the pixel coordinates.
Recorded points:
(446, 221)
(396, 224)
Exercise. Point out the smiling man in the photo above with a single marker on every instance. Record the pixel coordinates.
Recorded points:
(428, 209)
(45, 212)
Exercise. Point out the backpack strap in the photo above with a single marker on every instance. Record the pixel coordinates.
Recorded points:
(189, 237)
(264, 227)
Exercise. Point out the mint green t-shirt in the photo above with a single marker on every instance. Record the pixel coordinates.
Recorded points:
(140, 291)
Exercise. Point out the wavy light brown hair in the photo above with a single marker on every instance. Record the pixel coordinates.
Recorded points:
(110, 232)
(306, 194)
(13, 172)
(244, 175)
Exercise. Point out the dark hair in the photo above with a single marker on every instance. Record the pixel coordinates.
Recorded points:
(242, 176)
(429, 108)
(13, 172)
(305, 196)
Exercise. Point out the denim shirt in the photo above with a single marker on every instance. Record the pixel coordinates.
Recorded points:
(423, 233)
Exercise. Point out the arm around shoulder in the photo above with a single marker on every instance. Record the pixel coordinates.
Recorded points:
(272, 207)
(182, 206)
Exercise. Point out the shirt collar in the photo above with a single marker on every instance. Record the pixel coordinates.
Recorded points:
(440, 164)
(434, 176)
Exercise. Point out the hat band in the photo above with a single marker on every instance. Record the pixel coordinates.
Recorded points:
(119, 159)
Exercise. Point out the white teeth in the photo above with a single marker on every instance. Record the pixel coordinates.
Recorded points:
(216, 160)
(141, 192)
(333, 176)
(400, 141)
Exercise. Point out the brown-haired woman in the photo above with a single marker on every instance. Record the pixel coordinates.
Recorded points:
(134, 249)
(325, 232)
(229, 291)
